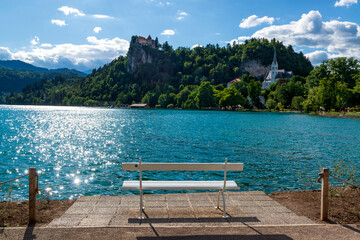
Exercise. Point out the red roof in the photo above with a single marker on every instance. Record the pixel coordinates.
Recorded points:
(141, 37)
(235, 80)
(149, 37)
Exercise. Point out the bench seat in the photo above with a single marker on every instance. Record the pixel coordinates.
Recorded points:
(180, 185)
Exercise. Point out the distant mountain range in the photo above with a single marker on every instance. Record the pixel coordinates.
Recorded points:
(23, 66)
(16, 74)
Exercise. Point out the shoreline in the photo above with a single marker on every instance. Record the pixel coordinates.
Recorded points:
(331, 114)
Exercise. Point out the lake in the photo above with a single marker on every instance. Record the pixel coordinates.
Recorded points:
(79, 151)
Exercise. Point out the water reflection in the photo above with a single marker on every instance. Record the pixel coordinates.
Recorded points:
(78, 151)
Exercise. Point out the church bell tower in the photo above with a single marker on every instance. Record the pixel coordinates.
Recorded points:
(274, 68)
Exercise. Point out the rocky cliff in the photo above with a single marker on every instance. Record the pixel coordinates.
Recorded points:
(139, 54)
(255, 68)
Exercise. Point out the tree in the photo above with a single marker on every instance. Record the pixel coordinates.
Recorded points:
(296, 103)
(254, 90)
(230, 97)
(205, 96)
(270, 104)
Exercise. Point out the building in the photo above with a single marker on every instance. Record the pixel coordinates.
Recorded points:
(274, 74)
(146, 41)
(233, 81)
(139, 105)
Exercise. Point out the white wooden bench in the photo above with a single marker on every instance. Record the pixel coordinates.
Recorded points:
(221, 186)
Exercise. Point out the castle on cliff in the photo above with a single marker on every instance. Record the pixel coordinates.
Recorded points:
(275, 74)
(146, 41)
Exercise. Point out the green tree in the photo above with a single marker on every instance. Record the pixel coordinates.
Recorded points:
(205, 96)
(254, 91)
(231, 97)
(271, 104)
(297, 102)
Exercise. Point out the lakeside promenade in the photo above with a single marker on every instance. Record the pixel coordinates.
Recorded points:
(251, 215)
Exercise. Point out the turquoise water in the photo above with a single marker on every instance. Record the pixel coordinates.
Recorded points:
(79, 151)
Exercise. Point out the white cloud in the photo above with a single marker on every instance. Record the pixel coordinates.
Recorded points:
(239, 40)
(5, 54)
(254, 21)
(93, 54)
(101, 16)
(196, 45)
(168, 32)
(46, 45)
(69, 10)
(167, 3)
(58, 22)
(317, 57)
(343, 3)
(217, 34)
(339, 38)
(181, 15)
(97, 29)
(35, 41)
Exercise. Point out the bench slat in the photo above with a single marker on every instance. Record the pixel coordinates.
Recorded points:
(133, 166)
(180, 185)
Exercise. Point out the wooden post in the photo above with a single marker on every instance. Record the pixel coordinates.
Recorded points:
(32, 194)
(324, 195)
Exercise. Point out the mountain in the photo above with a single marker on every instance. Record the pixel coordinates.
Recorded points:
(15, 74)
(23, 66)
(151, 70)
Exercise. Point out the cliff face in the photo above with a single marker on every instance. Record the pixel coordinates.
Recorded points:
(138, 54)
(255, 68)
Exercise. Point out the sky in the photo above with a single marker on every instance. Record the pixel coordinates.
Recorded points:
(86, 34)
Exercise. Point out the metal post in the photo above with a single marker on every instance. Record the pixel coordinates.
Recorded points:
(141, 192)
(32, 194)
(324, 194)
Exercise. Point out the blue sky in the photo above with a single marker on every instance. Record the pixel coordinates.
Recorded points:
(86, 34)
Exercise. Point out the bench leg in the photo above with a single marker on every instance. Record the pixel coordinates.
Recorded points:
(141, 205)
(218, 202)
(222, 193)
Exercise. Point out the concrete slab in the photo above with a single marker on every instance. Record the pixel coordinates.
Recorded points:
(178, 210)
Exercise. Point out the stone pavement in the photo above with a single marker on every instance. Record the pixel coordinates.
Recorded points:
(179, 210)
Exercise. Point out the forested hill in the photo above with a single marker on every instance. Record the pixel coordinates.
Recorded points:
(168, 70)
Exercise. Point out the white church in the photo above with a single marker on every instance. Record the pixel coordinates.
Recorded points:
(274, 74)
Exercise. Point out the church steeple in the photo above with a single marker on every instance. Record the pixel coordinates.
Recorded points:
(274, 59)
(274, 68)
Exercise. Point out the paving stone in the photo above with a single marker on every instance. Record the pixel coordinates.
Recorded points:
(197, 197)
(243, 203)
(66, 220)
(88, 198)
(175, 197)
(156, 204)
(96, 220)
(255, 209)
(243, 208)
(276, 209)
(104, 210)
(178, 204)
(181, 213)
(195, 204)
(267, 203)
(79, 210)
(154, 197)
(77, 204)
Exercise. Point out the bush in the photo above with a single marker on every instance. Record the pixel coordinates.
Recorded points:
(170, 106)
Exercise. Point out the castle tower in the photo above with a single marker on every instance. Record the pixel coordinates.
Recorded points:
(274, 68)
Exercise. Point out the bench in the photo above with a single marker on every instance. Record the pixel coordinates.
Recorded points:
(221, 186)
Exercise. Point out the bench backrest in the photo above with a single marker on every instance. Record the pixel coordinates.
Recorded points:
(132, 166)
